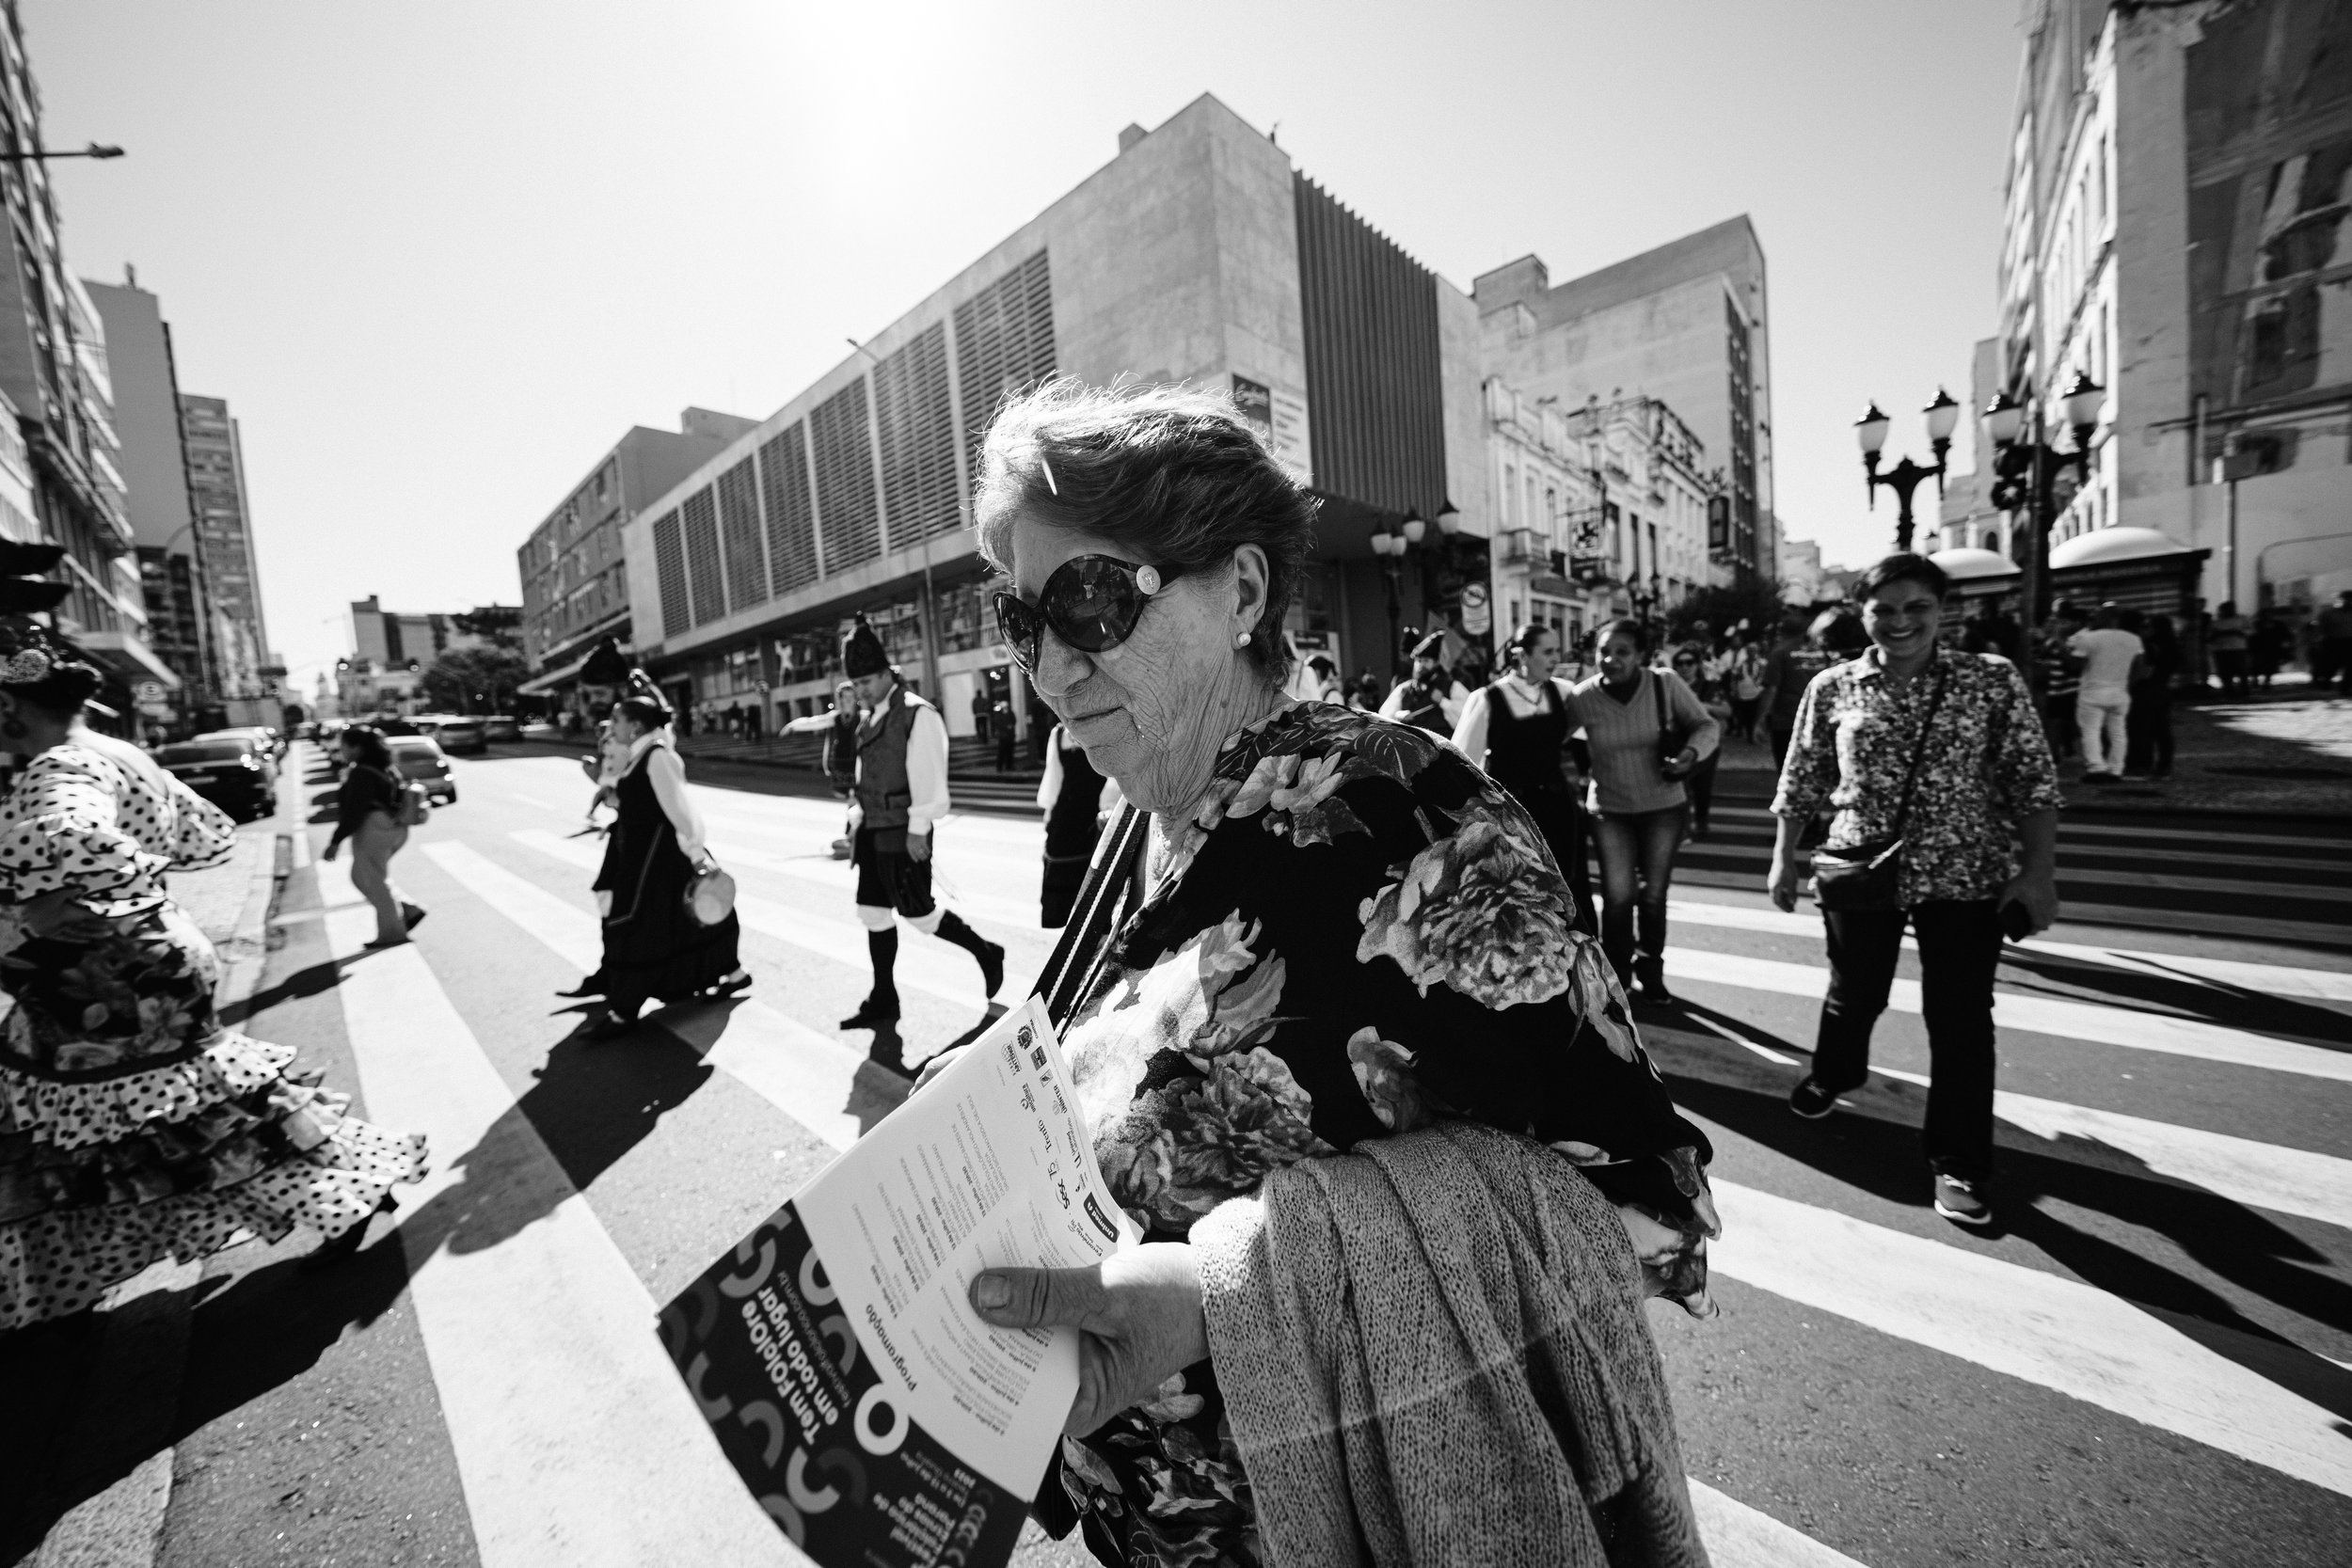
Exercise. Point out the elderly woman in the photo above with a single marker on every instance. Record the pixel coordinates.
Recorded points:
(1321, 983)
(1935, 757)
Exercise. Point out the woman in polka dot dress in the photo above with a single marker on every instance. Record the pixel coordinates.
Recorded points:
(133, 1126)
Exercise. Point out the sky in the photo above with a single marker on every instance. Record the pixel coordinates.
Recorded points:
(439, 255)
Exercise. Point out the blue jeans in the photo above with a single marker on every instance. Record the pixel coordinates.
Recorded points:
(1637, 863)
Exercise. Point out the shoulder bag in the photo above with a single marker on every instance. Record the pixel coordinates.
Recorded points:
(709, 896)
(1869, 876)
(1670, 738)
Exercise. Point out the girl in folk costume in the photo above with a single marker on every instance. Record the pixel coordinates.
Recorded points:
(137, 1127)
(901, 794)
(1518, 729)
(654, 948)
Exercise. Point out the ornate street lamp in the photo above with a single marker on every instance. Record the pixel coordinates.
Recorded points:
(1904, 477)
(2026, 472)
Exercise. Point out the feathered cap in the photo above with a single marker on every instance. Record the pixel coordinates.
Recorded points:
(22, 590)
(30, 653)
(862, 652)
(1431, 647)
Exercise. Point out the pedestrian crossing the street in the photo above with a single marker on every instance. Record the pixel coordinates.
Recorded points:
(2161, 1322)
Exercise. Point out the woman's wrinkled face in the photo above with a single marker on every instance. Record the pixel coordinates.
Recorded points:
(1902, 618)
(1539, 659)
(1620, 657)
(1140, 710)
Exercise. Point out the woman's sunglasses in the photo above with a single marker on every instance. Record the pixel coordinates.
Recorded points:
(1093, 602)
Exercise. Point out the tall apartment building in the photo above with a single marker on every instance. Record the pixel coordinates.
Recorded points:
(53, 370)
(1687, 324)
(157, 500)
(2178, 217)
(390, 649)
(1196, 254)
(575, 586)
(225, 539)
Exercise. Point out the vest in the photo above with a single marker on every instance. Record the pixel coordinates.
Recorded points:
(1523, 754)
(1070, 827)
(883, 792)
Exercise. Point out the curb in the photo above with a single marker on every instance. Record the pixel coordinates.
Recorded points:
(142, 1352)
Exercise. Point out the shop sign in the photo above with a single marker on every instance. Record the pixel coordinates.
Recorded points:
(1279, 417)
(1477, 613)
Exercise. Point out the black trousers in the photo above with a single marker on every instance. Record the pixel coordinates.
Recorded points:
(1960, 948)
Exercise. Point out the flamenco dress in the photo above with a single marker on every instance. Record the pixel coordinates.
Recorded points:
(133, 1126)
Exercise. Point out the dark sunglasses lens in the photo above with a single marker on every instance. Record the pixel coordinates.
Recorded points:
(1093, 602)
(1018, 625)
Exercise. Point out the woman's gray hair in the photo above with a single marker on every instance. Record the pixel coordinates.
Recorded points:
(1172, 473)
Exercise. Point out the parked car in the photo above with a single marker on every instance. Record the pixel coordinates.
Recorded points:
(502, 727)
(470, 735)
(418, 757)
(268, 740)
(230, 771)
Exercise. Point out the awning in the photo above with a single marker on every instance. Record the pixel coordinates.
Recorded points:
(127, 655)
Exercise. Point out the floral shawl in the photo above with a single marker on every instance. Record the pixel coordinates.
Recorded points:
(1354, 934)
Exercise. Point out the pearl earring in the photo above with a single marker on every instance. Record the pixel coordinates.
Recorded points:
(1242, 642)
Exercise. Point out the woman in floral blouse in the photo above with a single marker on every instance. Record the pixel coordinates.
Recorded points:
(1337, 931)
(1942, 749)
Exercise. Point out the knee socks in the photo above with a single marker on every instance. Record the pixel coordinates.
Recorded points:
(883, 947)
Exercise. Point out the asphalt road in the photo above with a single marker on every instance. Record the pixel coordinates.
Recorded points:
(2144, 1362)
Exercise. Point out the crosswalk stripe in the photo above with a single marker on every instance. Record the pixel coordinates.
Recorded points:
(1736, 1535)
(843, 941)
(2317, 985)
(574, 1439)
(2037, 1015)
(2055, 1332)
(2263, 1176)
(808, 1076)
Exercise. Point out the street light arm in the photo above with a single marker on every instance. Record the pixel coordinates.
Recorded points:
(43, 155)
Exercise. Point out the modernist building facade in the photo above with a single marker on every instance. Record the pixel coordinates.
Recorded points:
(1688, 325)
(232, 584)
(2178, 219)
(1196, 254)
(574, 587)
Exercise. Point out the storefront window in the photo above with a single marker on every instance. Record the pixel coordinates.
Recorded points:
(965, 620)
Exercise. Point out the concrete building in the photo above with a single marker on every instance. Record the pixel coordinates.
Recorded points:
(157, 500)
(1687, 324)
(1196, 254)
(1600, 510)
(389, 653)
(225, 538)
(1800, 571)
(574, 587)
(2177, 217)
(1967, 519)
(53, 371)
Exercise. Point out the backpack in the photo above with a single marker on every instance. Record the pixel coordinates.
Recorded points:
(411, 806)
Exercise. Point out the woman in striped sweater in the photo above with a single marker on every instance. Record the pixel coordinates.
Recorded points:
(1646, 730)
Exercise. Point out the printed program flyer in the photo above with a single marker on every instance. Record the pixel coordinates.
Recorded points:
(875, 1416)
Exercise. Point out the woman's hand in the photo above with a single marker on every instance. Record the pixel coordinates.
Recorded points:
(938, 1065)
(57, 914)
(2038, 892)
(1139, 1313)
(1782, 881)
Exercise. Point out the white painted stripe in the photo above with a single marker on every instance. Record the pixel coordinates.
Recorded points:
(807, 1075)
(2264, 1176)
(1738, 1536)
(298, 841)
(2317, 985)
(923, 965)
(2039, 1015)
(575, 1440)
(2058, 1333)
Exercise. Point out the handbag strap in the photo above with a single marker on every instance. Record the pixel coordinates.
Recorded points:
(1658, 691)
(1918, 753)
(1098, 906)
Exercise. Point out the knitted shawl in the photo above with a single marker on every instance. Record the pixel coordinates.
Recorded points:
(1432, 1351)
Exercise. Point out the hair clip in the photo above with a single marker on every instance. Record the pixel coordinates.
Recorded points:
(1048, 468)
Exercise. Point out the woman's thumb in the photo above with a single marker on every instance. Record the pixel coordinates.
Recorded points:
(1036, 1298)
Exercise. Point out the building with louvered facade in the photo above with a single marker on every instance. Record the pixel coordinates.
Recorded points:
(575, 588)
(1200, 255)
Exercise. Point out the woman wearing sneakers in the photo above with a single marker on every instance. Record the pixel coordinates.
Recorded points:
(1937, 755)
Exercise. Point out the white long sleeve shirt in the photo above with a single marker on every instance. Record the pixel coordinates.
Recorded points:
(667, 775)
